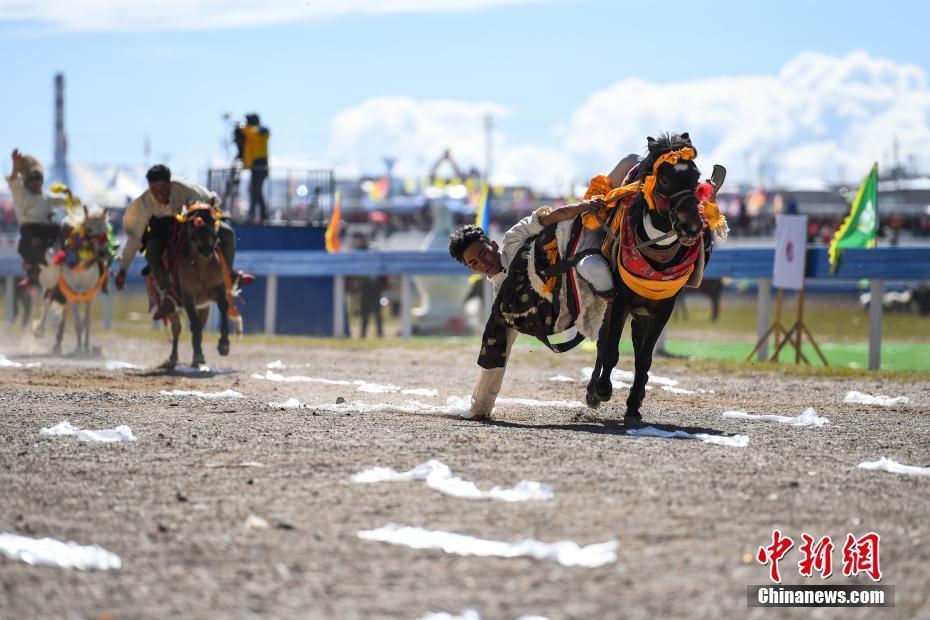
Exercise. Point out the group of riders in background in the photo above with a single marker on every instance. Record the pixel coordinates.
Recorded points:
(68, 257)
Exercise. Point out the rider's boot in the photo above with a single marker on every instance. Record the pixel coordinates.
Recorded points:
(154, 250)
(32, 275)
(167, 306)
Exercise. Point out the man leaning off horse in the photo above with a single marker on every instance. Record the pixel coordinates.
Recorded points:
(519, 305)
(152, 215)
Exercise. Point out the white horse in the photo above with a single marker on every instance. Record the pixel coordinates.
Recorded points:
(73, 277)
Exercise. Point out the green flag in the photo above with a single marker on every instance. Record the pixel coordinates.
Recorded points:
(860, 229)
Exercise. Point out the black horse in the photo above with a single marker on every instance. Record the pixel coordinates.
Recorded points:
(665, 231)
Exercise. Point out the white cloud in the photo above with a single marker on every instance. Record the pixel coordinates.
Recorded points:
(148, 15)
(415, 132)
(545, 168)
(820, 118)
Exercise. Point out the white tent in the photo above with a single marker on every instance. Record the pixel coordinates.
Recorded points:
(107, 185)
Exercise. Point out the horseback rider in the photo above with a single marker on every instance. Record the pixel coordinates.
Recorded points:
(34, 210)
(151, 217)
(530, 301)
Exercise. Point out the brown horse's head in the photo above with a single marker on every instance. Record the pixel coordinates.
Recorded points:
(670, 178)
(200, 226)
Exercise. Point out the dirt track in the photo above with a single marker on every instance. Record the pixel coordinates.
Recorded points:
(688, 515)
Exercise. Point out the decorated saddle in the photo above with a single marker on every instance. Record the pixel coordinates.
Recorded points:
(628, 252)
(542, 295)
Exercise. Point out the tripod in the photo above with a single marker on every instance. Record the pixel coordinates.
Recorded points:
(231, 188)
(790, 336)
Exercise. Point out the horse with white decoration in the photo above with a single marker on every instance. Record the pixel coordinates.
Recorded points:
(74, 275)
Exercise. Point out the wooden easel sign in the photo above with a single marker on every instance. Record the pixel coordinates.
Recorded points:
(790, 252)
(788, 274)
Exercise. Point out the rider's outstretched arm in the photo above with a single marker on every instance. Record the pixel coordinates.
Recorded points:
(135, 220)
(16, 166)
(570, 211)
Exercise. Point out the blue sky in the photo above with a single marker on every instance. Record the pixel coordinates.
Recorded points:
(539, 66)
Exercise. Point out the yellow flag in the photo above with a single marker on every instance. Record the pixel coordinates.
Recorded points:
(332, 229)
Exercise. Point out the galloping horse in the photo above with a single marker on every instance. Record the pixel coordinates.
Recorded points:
(201, 277)
(657, 242)
(75, 274)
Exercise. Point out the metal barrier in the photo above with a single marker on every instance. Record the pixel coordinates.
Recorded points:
(877, 265)
(296, 194)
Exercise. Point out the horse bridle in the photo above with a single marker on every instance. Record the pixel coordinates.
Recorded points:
(674, 201)
(192, 215)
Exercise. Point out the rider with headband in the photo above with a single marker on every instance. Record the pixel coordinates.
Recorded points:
(152, 215)
(529, 301)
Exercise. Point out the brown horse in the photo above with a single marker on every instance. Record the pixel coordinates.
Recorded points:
(201, 278)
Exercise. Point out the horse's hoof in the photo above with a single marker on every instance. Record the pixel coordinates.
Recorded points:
(604, 393)
(633, 414)
(168, 364)
(592, 400)
(223, 347)
(198, 361)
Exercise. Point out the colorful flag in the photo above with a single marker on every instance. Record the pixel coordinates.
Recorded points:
(482, 217)
(380, 189)
(755, 201)
(483, 212)
(332, 230)
(860, 229)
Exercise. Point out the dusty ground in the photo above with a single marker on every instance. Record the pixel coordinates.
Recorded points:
(688, 515)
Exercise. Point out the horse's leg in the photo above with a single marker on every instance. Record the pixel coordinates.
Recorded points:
(61, 331)
(605, 387)
(646, 332)
(23, 305)
(87, 305)
(78, 326)
(172, 360)
(83, 327)
(38, 326)
(222, 305)
(197, 320)
(591, 398)
(599, 387)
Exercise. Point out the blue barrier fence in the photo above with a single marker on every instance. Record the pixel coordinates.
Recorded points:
(276, 269)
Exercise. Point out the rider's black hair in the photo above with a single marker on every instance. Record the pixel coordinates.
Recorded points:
(464, 236)
(158, 172)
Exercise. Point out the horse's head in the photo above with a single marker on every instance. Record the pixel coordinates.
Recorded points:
(97, 231)
(200, 224)
(670, 178)
(88, 232)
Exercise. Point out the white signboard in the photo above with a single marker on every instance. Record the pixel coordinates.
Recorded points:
(790, 251)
